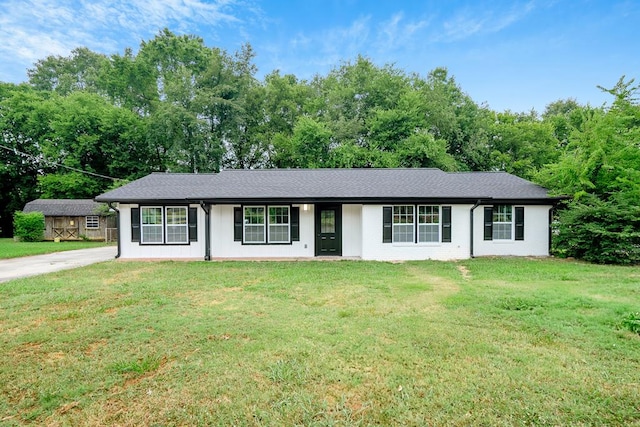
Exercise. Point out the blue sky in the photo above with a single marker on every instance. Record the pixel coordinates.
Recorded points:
(513, 55)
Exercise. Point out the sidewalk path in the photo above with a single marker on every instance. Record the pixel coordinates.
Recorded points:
(39, 264)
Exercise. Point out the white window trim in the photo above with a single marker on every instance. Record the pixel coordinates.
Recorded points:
(394, 225)
(288, 224)
(93, 223)
(263, 225)
(167, 225)
(143, 225)
(512, 224)
(436, 224)
(416, 227)
(266, 225)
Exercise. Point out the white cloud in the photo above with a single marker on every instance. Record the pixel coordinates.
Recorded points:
(396, 32)
(34, 29)
(469, 22)
(329, 47)
(349, 40)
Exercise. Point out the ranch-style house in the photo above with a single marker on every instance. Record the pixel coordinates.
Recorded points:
(371, 214)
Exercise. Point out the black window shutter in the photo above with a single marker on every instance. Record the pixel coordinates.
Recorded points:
(193, 224)
(519, 223)
(135, 224)
(446, 223)
(488, 223)
(237, 224)
(387, 225)
(295, 224)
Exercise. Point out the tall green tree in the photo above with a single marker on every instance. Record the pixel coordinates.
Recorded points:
(80, 71)
(87, 134)
(22, 125)
(600, 169)
(521, 143)
(451, 115)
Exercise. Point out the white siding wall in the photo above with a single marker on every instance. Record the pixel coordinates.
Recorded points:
(352, 230)
(536, 235)
(361, 237)
(129, 249)
(374, 249)
(223, 246)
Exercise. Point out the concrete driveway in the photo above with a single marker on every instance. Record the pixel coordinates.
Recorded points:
(39, 264)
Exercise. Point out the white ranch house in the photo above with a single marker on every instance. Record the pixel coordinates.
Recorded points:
(371, 214)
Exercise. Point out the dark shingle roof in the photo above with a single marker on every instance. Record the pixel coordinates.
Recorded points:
(63, 207)
(326, 184)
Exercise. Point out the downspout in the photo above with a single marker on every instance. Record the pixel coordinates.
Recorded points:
(473, 208)
(207, 231)
(111, 206)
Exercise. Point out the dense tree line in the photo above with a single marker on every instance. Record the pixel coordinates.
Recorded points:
(177, 105)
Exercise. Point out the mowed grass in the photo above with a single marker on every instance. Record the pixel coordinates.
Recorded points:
(12, 249)
(478, 342)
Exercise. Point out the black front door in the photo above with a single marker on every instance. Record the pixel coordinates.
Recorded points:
(328, 230)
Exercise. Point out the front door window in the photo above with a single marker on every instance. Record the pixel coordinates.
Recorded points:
(327, 221)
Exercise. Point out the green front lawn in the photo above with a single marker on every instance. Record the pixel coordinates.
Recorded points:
(12, 249)
(478, 342)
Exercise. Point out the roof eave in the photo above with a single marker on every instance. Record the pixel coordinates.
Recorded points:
(337, 200)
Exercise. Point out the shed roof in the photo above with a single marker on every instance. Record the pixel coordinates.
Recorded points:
(299, 185)
(63, 207)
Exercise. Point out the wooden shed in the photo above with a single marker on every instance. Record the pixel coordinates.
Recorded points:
(67, 219)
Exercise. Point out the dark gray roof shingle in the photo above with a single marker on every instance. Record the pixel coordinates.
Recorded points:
(63, 207)
(326, 184)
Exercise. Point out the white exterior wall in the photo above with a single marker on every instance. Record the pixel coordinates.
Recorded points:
(129, 249)
(374, 249)
(536, 235)
(361, 237)
(352, 230)
(223, 245)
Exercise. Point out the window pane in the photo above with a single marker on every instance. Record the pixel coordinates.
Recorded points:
(403, 232)
(403, 214)
(254, 233)
(501, 231)
(328, 221)
(151, 216)
(428, 223)
(176, 216)
(279, 215)
(403, 223)
(502, 213)
(254, 215)
(254, 224)
(428, 214)
(502, 222)
(279, 224)
(176, 234)
(151, 224)
(92, 221)
(152, 233)
(428, 233)
(279, 233)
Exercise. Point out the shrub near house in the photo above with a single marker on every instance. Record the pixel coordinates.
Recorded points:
(28, 227)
